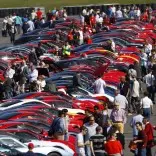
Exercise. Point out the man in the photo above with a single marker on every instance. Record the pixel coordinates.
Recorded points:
(134, 120)
(66, 120)
(146, 105)
(99, 86)
(7, 87)
(10, 72)
(33, 15)
(39, 14)
(91, 126)
(124, 87)
(148, 48)
(141, 140)
(33, 74)
(97, 142)
(30, 150)
(150, 136)
(118, 117)
(31, 25)
(66, 49)
(121, 100)
(57, 129)
(98, 116)
(113, 147)
(87, 116)
(18, 23)
(119, 13)
(80, 143)
(135, 94)
(149, 79)
(23, 76)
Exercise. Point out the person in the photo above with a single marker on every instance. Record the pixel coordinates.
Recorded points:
(148, 48)
(149, 79)
(18, 23)
(98, 116)
(97, 142)
(67, 120)
(146, 105)
(87, 116)
(107, 128)
(31, 25)
(57, 128)
(119, 136)
(77, 80)
(33, 56)
(118, 117)
(39, 14)
(7, 87)
(134, 120)
(121, 100)
(150, 136)
(113, 147)
(99, 86)
(141, 140)
(106, 113)
(119, 13)
(33, 74)
(25, 27)
(23, 76)
(80, 143)
(92, 21)
(13, 31)
(135, 94)
(66, 49)
(10, 72)
(112, 43)
(30, 150)
(124, 87)
(91, 127)
(41, 82)
(33, 15)
(81, 39)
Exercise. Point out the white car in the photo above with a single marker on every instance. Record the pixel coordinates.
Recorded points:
(16, 103)
(44, 147)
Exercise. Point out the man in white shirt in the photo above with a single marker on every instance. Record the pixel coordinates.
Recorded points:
(147, 105)
(134, 120)
(81, 37)
(33, 74)
(135, 94)
(119, 14)
(148, 48)
(80, 143)
(149, 79)
(121, 100)
(33, 15)
(10, 72)
(31, 25)
(99, 86)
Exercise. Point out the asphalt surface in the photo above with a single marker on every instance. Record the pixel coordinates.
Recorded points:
(128, 130)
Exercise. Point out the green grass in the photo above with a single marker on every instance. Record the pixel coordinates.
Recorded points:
(50, 4)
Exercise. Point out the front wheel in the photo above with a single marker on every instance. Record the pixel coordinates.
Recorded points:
(54, 154)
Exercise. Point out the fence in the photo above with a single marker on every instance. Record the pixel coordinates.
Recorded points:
(76, 10)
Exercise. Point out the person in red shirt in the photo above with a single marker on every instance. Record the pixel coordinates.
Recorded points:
(150, 137)
(89, 40)
(113, 146)
(39, 14)
(70, 37)
(141, 140)
(92, 21)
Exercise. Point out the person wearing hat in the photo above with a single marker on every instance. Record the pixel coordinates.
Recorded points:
(30, 150)
(97, 142)
(118, 117)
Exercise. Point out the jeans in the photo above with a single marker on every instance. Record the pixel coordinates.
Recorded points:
(147, 112)
(141, 152)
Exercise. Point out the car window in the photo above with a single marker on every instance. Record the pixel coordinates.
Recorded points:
(11, 143)
(7, 116)
(25, 135)
(7, 104)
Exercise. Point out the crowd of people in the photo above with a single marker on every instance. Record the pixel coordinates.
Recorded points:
(103, 131)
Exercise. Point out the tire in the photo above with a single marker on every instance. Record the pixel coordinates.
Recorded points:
(54, 154)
